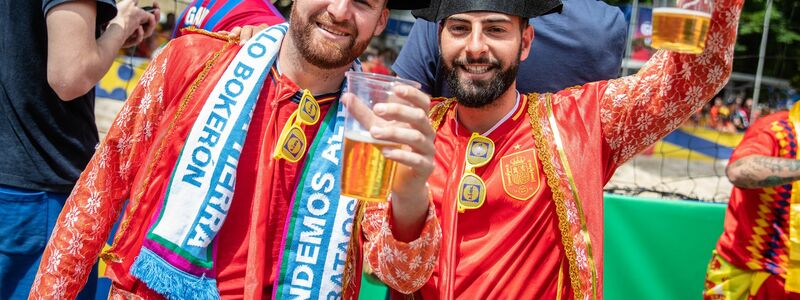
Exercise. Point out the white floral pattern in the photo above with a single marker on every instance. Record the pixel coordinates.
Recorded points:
(668, 88)
(404, 267)
(97, 198)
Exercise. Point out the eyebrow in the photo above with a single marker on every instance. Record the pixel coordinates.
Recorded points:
(488, 20)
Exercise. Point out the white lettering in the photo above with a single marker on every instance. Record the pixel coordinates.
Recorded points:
(321, 199)
(322, 180)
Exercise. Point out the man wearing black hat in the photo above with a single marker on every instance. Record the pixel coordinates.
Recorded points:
(210, 116)
(519, 177)
(583, 43)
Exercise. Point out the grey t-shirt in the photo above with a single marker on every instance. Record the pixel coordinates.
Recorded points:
(46, 142)
(584, 43)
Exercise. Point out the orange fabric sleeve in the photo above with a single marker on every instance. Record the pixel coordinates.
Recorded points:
(95, 203)
(638, 110)
(404, 267)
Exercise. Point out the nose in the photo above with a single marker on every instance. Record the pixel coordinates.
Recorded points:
(476, 44)
(340, 10)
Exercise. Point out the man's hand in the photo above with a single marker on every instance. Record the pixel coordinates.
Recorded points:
(403, 120)
(135, 23)
(244, 33)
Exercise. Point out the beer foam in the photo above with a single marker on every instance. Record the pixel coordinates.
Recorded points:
(365, 137)
(680, 11)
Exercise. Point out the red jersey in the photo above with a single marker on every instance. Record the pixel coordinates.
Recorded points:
(757, 220)
(217, 15)
(539, 233)
(138, 155)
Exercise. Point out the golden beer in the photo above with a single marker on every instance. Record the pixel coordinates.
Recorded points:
(680, 30)
(366, 174)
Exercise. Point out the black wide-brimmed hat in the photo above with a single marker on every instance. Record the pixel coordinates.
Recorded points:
(440, 9)
(407, 4)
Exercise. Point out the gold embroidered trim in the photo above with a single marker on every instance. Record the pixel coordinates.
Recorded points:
(574, 188)
(109, 255)
(560, 279)
(558, 195)
(215, 35)
(437, 113)
(353, 248)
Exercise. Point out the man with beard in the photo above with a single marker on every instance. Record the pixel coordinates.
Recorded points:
(518, 183)
(585, 42)
(210, 116)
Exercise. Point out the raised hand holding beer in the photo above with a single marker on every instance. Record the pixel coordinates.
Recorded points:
(681, 25)
(395, 136)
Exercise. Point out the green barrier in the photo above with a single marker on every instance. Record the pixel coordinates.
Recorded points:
(658, 249)
(372, 288)
(654, 248)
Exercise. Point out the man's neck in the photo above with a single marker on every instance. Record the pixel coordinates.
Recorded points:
(306, 75)
(484, 118)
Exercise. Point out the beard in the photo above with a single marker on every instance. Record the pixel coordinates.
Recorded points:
(479, 93)
(323, 53)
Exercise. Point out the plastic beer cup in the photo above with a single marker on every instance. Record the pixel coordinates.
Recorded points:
(366, 173)
(681, 25)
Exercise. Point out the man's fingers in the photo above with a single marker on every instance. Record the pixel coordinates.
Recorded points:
(247, 33)
(150, 25)
(358, 110)
(415, 117)
(414, 139)
(412, 96)
(235, 32)
(414, 161)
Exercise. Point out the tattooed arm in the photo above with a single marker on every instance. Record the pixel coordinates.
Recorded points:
(758, 171)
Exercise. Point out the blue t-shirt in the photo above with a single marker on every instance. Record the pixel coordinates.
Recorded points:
(46, 142)
(584, 43)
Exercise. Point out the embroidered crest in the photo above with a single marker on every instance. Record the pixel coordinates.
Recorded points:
(520, 174)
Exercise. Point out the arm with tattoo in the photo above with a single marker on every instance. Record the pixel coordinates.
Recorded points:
(758, 171)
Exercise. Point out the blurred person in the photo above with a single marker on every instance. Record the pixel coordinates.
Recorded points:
(54, 52)
(374, 63)
(518, 183)
(748, 108)
(753, 258)
(169, 23)
(583, 43)
(211, 116)
(213, 15)
(739, 117)
(715, 120)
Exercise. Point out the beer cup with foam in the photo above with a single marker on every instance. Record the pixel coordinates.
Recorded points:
(366, 173)
(681, 25)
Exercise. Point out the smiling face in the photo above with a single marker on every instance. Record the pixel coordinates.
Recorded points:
(333, 33)
(481, 52)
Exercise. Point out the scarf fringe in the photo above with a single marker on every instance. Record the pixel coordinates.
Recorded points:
(170, 282)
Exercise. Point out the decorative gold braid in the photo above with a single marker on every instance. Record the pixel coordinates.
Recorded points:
(109, 255)
(225, 37)
(437, 113)
(558, 195)
(353, 247)
(574, 189)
